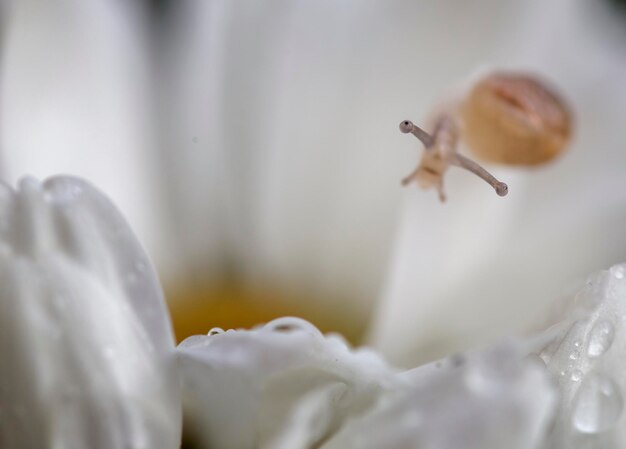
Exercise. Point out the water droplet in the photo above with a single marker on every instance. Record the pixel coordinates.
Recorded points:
(576, 375)
(215, 331)
(577, 343)
(562, 373)
(574, 355)
(289, 324)
(598, 404)
(600, 338)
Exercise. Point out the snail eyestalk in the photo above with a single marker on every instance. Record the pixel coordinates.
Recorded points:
(407, 126)
(441, 152)
(461, 161)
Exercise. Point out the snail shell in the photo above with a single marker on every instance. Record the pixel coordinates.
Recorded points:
(514, 119)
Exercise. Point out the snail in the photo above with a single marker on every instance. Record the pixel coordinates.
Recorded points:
(505, 117)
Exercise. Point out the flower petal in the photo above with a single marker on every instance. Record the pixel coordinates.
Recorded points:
(85, 341)
(587, 359)
(283, 385)
(490, 400)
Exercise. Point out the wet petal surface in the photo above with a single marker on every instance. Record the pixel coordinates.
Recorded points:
(85, 340)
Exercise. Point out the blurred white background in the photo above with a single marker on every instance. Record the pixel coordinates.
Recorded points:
(256, 144)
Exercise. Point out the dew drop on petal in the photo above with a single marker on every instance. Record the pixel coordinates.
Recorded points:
(598, 404)
(600, 338)
(289, 324)
(215, 331)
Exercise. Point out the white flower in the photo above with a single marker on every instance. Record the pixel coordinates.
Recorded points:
(88, 360)
(285, 386)
(281, 158)
(86, 348)
(280, 152)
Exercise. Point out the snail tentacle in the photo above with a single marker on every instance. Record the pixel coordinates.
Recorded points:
(461, 161)
(407, 126)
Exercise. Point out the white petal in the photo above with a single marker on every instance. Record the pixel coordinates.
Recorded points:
(310, 419)
(85, 342)
(588, 359)
(75, 98)
(283, 385)
(489, 401)
(297, 157)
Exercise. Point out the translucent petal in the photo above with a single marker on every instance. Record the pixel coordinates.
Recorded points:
(490, 400)
(283, 385)
(587, 358)
(85, 341)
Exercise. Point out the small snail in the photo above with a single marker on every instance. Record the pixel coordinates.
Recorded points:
(505, 117)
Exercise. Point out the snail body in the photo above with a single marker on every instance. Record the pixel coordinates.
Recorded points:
(505, 117)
